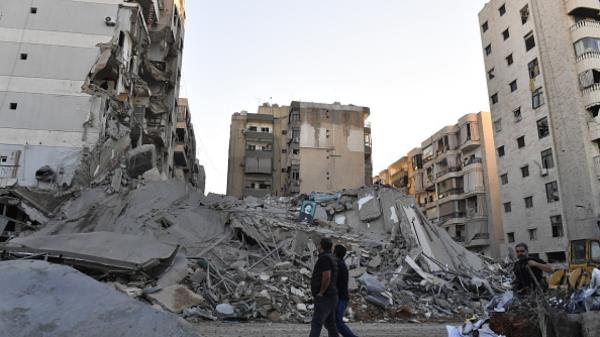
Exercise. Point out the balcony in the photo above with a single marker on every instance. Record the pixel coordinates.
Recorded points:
(264, 136)
(597, 166)
(180, 156)
(585, 28)
(451, 172)
(470, 144)
(594, 127)
(591, 96)
(583, 7)
(479, 240)
(452, 194)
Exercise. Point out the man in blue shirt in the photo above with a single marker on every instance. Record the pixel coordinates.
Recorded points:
(343, 295)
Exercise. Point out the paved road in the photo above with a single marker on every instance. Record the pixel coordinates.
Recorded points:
(295, 330)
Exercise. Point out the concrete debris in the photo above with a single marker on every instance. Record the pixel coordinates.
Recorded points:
(252, 258)
(43, 299)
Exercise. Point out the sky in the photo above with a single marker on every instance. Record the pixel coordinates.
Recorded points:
(417, 64)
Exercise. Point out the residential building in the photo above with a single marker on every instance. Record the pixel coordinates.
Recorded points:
(86, 86)
(301, 148)
(187, 167)
(542, 59)
(452, 176)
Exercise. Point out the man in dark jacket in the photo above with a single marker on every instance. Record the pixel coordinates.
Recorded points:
(525, 266)
(344, 296)
(323, 287)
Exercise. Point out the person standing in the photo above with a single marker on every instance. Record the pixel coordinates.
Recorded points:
(525, 266)
(343, 295)
(323, 288)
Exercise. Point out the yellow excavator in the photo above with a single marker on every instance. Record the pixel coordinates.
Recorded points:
(584, 256)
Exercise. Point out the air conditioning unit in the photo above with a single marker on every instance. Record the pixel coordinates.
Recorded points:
(110, 21)
(544, 172)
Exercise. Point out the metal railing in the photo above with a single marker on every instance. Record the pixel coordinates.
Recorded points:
(588, 55)
(8, 171)
(474, 161)
(448, 170)
(595, 87)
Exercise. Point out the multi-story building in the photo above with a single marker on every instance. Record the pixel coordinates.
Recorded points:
(395, 175)
(86, 86)
(186, 165)
(305, 147)
(449, 175)
(542, 59)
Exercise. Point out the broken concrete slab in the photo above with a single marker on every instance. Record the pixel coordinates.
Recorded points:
(43, 299)
(368, 207)
(176, 298)
(140, 160)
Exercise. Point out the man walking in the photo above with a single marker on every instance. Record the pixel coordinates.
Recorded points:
(343, 296)
(323, 287)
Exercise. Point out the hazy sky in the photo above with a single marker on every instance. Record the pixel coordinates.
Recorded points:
(417, 64)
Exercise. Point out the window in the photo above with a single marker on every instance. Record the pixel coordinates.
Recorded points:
(525, 14)
(501, 151)
(494, 98)
(491, 74)
(485, 26)
(511, 237)
(517, 114)
(532, 234)
(528, 202)
(33, 10)
(521, 142)
(537, 98)
(506, 34)
(595, 251)
(525, 171)
(498, 125)
(284, 151)
(296, 135)
(529, 41)
(588, 78)
(504, 179)
(534, 69)
(266, 130)
(488, 49)
(253, 128)
(587, 45)
(513, 86)
(284, 132)
(542, 127)
(552, 192)
(547, 159)
(557, 226)
(251, 147)
(578, 251)
(24, 56)
(3, 159)
(295, 116)
(13, 106)
(507, 207)
(502, 10)
(510, 60)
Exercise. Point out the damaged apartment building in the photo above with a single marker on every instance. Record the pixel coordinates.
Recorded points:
(87, 86)
(300, 148)
(89, 94)
(452, 178)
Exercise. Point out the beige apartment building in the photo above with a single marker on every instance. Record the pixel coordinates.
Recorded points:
(452, 176)
(542, 63)
(301, 148)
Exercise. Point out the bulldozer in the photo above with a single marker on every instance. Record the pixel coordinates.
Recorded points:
(584, 256)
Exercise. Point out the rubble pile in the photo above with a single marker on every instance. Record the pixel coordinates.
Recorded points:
(224, 258)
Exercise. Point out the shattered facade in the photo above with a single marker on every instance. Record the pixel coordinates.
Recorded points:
(187, 167)
(452, 176)
(304, 147)
(85, 99)
(541, 59)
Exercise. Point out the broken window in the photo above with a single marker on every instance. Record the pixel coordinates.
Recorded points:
(534, 68)
(488, 49)
(529, 202)
(557, 226)
(525, 171)
(537, 98)
(501, 151)
(542, 127)
(510, 60)
(511, 237)
(504, 179)
(532, 234)
(529, 41)
(491, 74)
(517, 114)
(13, 106)
(485, 26)
(507, 207)
(502, 10)
(547, 159)
(588, 78)
(498, 125)
(552, 191)
(417, 162)
(506, 34)
(296, 135)
(513, 86)
(525, 14)
(521, 142)
(494, 98)
(587, 45)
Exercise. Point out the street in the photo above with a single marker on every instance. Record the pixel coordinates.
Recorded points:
(221, 329)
